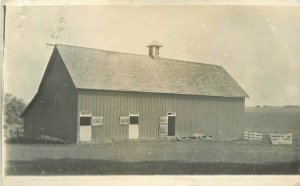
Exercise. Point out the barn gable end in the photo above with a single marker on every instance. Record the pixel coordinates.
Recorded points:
(53, 110)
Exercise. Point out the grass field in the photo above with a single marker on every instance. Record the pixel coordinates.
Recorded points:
(168, 157)
(153, 157)
(274, 119)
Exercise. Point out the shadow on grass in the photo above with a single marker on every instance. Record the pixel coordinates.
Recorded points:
(30, 141)
(104, 167)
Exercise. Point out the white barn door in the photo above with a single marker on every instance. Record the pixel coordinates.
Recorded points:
(133, 131)
(85, 126)
(133, 126)
(85, 133)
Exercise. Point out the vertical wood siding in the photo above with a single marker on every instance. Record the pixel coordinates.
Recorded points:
(54, 112)
(31, 127)
(222, 118)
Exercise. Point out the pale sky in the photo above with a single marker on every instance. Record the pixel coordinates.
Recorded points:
(258, 45)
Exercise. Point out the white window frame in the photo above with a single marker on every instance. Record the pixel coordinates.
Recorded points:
(85, 113)
(134, 114)
(171, 114)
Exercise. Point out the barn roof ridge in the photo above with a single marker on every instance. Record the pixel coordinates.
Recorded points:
(141, 73)
(112, 51)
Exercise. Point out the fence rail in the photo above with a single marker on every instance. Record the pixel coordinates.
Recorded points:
(253, 135)
(285, 139)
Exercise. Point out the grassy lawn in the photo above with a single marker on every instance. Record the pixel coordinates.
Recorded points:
(105, 167)
(153, 157)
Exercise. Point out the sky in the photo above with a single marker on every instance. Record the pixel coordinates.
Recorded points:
(258, 45)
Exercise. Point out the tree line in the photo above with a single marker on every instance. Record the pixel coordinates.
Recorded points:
(13, 108)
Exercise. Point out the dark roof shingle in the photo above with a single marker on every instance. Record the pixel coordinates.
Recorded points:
(107, 70)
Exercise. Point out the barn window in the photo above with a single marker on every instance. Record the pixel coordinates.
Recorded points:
(85, 118)
(134, 118)
(124, 120)
(97, 120)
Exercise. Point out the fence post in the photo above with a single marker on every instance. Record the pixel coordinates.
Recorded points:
(248, 134)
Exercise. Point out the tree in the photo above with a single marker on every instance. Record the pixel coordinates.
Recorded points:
(13, 107)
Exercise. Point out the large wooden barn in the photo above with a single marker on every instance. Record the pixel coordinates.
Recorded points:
(95, 95)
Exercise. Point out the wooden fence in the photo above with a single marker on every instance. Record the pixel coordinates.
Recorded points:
(249, 135)
(285, 139)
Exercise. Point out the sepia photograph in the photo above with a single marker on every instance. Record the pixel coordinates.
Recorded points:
(124, 89)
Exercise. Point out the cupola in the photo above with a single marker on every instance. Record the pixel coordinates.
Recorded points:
(154, 49)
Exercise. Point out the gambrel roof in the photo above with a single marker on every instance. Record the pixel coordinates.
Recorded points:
(107, 70)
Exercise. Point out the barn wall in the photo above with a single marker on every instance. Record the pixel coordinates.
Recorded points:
(222, 118)
(31, 129)
(54, 113)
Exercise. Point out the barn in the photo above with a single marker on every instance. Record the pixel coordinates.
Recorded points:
(92, 95)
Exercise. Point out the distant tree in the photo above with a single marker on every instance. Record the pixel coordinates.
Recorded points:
(13, 107)
(291, 106)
